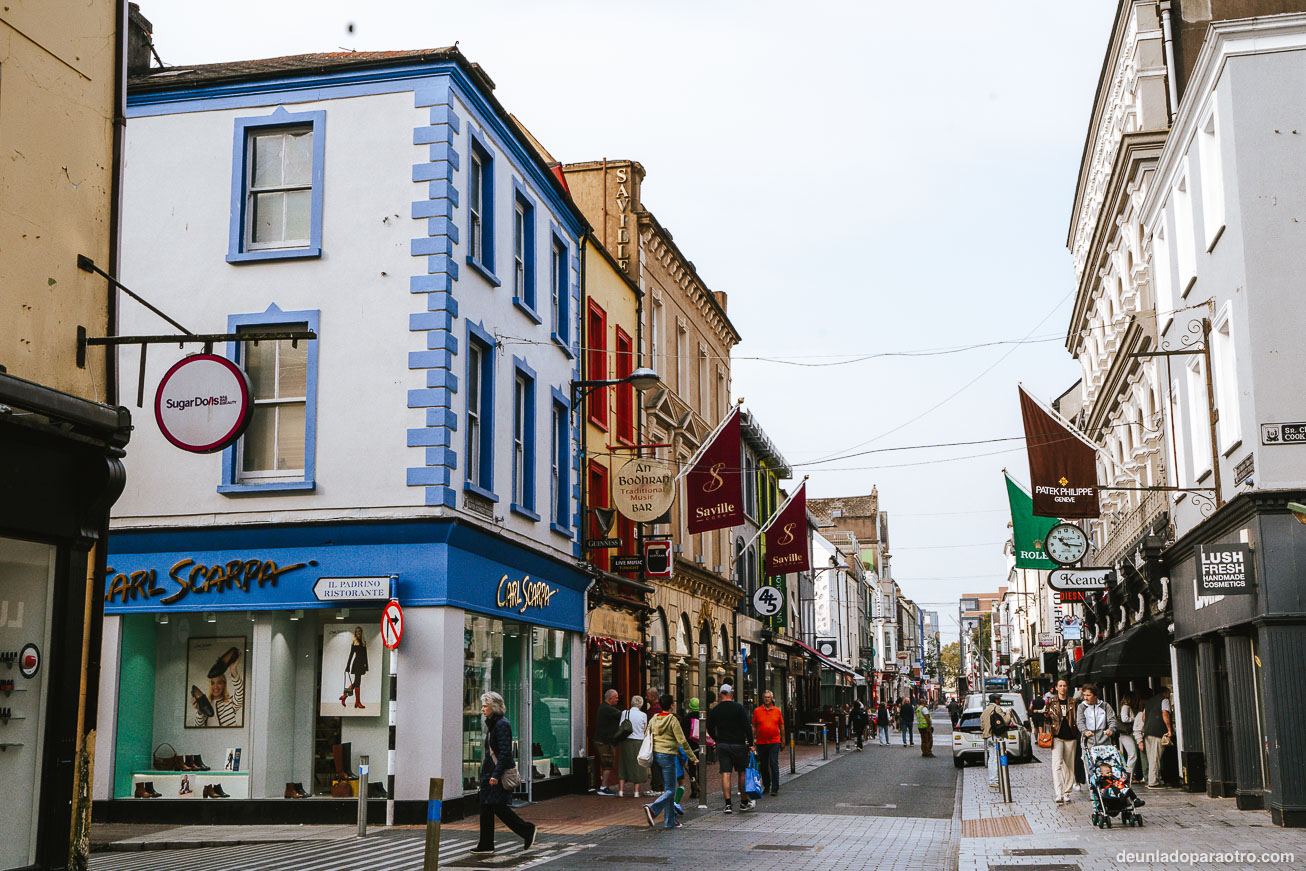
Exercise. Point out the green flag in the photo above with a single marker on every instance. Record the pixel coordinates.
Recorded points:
(1028, 531)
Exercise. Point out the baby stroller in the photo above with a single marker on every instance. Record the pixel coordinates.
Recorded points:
(1113, 799)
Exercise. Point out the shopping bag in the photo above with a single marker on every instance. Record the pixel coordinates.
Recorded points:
(645, 757)
(752, 779)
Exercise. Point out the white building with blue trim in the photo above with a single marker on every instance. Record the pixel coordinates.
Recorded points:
(387, 202)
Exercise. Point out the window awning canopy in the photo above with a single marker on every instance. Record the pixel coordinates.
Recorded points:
(827, 661)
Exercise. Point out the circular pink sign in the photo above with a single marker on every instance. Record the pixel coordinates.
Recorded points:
(203, 403)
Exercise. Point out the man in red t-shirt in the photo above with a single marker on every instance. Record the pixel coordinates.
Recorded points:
(769, 726)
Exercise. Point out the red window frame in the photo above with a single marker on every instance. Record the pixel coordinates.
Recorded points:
(596, 363)
(598, 496)
(624, 358)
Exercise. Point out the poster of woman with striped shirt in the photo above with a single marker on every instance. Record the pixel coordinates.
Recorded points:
(215, 675)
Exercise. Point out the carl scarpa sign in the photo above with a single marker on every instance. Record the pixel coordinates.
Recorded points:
(1224, 570)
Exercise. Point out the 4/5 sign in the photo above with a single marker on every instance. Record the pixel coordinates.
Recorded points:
(767, 601)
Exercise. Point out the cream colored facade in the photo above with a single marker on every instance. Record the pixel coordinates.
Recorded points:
(57, 102)
(686, 336)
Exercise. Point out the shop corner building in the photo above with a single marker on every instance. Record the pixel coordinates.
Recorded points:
(387, 202)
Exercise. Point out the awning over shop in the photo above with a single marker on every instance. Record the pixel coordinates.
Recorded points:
(1141, 651)
(827, 661)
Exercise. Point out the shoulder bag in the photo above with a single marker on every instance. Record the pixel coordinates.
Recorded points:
(645, 756)
(625, 727)
(511, 776)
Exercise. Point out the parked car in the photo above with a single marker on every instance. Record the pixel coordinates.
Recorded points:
(968, 737)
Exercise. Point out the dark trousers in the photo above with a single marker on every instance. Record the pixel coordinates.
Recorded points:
(927, 741)
(519, 826)
(768, 765)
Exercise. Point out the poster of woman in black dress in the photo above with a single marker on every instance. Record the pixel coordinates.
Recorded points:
(351, 684)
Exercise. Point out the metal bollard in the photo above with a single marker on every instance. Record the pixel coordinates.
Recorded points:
(825, 742)
(793, 766)
(434, 806)
(836, 739)
(1004, 773)
(363, 769)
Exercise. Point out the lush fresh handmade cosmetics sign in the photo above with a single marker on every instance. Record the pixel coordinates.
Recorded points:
(1224, 570)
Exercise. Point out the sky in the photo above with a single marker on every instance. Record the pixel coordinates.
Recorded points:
(861, 178)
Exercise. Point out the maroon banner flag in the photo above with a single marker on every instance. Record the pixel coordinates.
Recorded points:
(786, 538)
(714, 493)
(1062, 469)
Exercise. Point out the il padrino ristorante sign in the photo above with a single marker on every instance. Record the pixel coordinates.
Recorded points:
(1062, 468)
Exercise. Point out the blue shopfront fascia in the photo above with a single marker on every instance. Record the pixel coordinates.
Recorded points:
(437, 563)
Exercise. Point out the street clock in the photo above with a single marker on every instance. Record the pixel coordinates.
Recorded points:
(1065, 544)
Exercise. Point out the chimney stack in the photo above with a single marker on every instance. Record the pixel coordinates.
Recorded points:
(140, 45)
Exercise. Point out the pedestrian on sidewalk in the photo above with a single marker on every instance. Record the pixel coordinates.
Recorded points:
(689, 725)
(607, 720)
(1158, 732)
(954, 712)
(1128, 743)
(994, 722)
(907, 722)
(769, 728)
(925, 723)
(729, 727)
(495, 762)
(628, 768)
(882, 722)
(861, 719)
(1059, 719)
(1140, 740)
(668, 741)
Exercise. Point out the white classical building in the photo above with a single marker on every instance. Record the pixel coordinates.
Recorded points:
(1227, 222)
(388, 203)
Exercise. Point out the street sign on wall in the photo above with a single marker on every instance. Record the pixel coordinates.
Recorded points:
(1081, 579)
(351, 589)
(392, 624)
(643, 489)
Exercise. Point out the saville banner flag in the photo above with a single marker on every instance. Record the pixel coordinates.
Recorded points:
(786, 537)
(1062, 468)
(1027, 531)
(714, 492)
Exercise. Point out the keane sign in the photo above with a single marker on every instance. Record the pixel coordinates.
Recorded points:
(1080, 579)
(643, 489)
(1224, 570)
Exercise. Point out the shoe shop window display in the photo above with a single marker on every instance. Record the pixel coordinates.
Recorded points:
(268, 704)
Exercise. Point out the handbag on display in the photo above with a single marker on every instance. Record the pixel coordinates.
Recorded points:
(511, 776)
(165, 760)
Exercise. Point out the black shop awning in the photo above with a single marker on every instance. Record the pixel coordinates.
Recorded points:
(1141, 651)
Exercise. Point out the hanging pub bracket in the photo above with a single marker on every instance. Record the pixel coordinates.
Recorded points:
(208, 340)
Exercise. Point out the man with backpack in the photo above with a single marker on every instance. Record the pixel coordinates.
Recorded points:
(994, 722)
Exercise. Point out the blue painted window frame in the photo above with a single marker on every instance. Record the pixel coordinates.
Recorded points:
(478, 148)
(274, 317)
(560, 457)
(523, 503)
(477, 335)
(527, 299)
(560, 289)
(240, 170)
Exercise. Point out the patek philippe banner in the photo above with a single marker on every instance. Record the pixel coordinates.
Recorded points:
(1028, 532)
(713, 487)
(786, 538)
(1062, 469)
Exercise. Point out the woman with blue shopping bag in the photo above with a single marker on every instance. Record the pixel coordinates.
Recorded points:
(668, 740)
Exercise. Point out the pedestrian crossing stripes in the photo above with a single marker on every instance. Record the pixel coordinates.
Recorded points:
(394, 852)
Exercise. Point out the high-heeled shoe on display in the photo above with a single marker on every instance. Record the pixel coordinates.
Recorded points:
(358, 701)
(219, 791)
(142, 792)
(202, 701)
(198, 761)
(291, 792)
(299, 788)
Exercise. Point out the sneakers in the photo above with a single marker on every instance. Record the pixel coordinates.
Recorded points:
(482, 851)
(676, 825)
(1138, 802)
(606, 792)
(680, 811)
(747, 804)
(729, 808)
(648, 812)
(530, 839)
(1077, 788)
